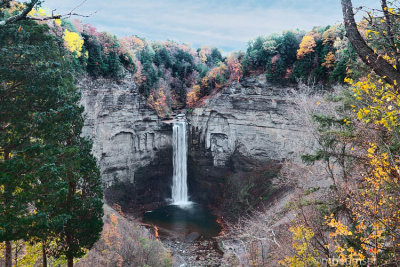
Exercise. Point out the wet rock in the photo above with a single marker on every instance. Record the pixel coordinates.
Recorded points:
(192, 237)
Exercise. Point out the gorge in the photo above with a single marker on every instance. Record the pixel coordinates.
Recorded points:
(248, 122)
(120, 150)
(237, 140)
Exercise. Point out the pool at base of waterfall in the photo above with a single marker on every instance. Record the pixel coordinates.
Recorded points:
(186, 223)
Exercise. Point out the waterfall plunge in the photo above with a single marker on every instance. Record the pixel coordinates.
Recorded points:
(179, 186)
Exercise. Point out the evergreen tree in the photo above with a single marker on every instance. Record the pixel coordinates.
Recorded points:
(48, 178)
(95, 63)
(30, 73)
(115, 69)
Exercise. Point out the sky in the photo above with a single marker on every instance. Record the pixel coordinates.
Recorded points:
(228, 25)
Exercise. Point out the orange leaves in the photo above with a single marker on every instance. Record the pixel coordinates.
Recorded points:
(235, 68)
(306, 46)
(110, 231)
(158, 101)
(340, 228)
(329, 60)
(216, 76)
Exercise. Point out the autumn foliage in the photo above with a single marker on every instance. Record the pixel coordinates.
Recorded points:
(306, 46)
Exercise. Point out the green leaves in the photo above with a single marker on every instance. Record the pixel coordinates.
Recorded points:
(50, 184)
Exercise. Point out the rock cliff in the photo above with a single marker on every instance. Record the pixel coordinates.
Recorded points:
(241, 130)
(127, 135)
(251, 117)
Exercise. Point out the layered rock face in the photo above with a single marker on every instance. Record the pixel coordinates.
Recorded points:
(252, 118)
(237, 130)
(240, 136)
(127, 135)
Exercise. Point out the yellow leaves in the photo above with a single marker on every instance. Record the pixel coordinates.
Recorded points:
(193, 96)
(390, 60)
(39, 12)
(380, 103)
(305, 254)
(306, 46)
(348, 80)
(374, 200)
(340, 229)
(73, 42)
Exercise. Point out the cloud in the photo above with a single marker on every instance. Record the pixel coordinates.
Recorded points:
(226, 24)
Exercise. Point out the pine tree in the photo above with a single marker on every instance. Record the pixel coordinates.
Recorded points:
(30, 74)
(50, 187)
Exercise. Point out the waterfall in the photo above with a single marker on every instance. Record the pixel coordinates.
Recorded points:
(179, 186)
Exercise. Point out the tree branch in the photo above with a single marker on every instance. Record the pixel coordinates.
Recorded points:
(24, 14)
(390, 35)
(367, 55)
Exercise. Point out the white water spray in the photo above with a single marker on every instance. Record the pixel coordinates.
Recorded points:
(179, 184)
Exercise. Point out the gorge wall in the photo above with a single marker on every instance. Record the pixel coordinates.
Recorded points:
(238, 139)
(251, 117)
(131, 144)
(243, 128)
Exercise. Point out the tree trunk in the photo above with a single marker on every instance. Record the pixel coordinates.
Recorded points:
(70, 261)
(8, 253)
(8, 256)
(44, 255)
(372, 59)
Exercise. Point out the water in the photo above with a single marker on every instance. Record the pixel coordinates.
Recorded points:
(180, 221)
(184, 220)
(180, 195)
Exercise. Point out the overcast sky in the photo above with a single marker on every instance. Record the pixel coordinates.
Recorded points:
(228, 25)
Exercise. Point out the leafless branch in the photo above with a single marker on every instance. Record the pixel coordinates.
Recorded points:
(29, 6)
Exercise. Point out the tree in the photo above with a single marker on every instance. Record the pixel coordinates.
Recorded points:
(95, 63)
(306, 46)
(73, 42)
(329, 60)
(83, 202)
(234, 68)
(29, 98)
(49, 183)
(389, 72)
